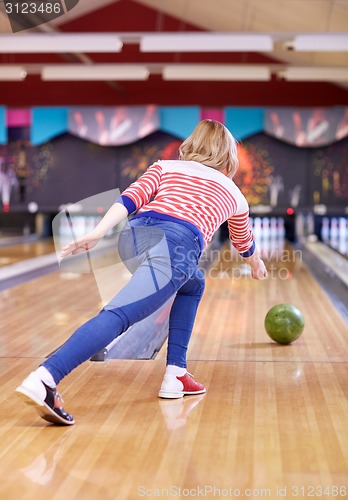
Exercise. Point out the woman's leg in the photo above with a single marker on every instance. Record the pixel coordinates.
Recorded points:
(182, 317)
(116, 318)
(177, 381)
(39, 387)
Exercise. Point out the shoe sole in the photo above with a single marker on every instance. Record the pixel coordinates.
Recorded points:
(41, 407)
(176, 395)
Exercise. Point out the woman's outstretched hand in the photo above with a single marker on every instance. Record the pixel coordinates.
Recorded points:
(116, 213)
(82, 244)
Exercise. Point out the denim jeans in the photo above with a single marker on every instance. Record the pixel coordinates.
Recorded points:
(163, 257)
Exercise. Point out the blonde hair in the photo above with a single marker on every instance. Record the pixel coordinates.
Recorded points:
(212, 144)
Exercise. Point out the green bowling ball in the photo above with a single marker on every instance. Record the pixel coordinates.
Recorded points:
(284, 323)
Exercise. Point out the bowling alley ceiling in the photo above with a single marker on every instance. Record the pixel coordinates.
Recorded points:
(130, 20)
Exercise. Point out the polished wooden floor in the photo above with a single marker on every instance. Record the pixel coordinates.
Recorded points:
(17, 253)
(274, 421)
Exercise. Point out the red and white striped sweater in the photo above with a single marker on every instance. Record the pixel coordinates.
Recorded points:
(193, 193)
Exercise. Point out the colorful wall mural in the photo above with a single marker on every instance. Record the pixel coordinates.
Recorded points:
(276, 168)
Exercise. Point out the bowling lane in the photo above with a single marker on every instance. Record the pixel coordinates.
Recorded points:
(275, 415)
(13, 253)
(38, 315)
(275, 425)
(230, 321)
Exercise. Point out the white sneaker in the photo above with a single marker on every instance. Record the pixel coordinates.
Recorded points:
(46, 400)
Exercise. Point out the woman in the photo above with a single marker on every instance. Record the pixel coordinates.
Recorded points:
(179, 205)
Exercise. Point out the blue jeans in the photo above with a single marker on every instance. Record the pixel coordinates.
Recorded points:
(163, 257)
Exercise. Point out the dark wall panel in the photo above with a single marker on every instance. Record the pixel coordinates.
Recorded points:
(68, 169)
(275, 173)
(76, 169)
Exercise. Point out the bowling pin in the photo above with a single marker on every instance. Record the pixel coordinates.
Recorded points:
(334, 233)
(266, 235)
(300, 223)
(273, 229)
(310, 224)
(342, 235)
(342, 228)
(281, 228)
(325, 229)
(265, 228)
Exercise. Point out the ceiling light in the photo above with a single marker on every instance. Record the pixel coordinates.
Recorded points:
(319, 42)
(206, 42)
(315, 74)
(216, 72)
(59, 43)
(94, 72)
(12, 73)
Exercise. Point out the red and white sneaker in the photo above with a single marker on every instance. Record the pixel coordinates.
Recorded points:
(176, 387)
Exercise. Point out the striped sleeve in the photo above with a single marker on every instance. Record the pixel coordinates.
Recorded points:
(142, 190)
(241, 235)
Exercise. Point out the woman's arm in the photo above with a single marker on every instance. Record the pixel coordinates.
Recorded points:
(113, 216)
(135, 196)
(242, 239)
